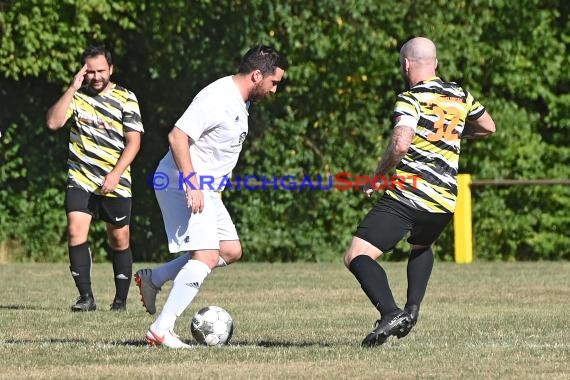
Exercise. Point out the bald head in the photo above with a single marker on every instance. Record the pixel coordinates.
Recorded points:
(418, 57)
(419, 49)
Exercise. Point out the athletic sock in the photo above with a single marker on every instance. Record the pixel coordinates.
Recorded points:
(123, 271)
(80, 267)
(169, 270)
(185, 287)
(221, 263)
(419, 269)
(374, 282)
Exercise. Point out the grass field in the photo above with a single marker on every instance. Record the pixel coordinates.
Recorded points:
(296, 321)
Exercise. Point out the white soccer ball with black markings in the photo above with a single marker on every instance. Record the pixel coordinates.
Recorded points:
(212, 326)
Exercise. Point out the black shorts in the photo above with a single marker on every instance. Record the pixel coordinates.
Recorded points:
(389, 221)
(116, 211)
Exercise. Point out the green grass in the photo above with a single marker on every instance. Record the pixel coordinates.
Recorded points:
(296, 321)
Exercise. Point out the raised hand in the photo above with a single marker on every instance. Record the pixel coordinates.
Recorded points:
(79, 78)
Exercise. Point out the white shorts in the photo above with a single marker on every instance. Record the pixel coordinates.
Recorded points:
(190, 232)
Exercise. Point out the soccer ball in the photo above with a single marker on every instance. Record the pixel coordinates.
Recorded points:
(212, 326)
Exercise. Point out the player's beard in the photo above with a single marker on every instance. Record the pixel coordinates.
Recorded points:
(256, 93)
(100, 87)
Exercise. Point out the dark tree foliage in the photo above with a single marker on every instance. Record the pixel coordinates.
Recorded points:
(332, 113)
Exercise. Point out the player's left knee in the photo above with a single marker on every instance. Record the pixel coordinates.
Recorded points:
(358, 248)
(232, 256)
(230, 251)
(119, 242)
(347, 259)
(119, 246)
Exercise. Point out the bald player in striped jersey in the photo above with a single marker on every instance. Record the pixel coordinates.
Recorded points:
(430, 119)
(104, 139)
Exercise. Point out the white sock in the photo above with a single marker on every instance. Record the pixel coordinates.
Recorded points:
(221, 263)
(169, 270)
(184, 289)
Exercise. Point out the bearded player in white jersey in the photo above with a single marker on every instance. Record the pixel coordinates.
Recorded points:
(205, 144)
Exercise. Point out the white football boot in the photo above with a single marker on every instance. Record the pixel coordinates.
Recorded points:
(167, 339)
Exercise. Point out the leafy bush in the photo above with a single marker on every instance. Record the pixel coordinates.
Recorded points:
(331, 115)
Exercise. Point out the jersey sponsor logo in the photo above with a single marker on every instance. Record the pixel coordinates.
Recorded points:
(87, 118)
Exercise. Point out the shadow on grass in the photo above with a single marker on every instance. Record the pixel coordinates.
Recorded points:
(133, 343)
(21, 307)
(269, 344)
(52, 340)
(237, 344)
(142, 342)
(74, 341)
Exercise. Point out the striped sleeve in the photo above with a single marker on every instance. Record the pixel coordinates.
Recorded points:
(69, 110)
(407, 108)
(476, 110)
(132, 120)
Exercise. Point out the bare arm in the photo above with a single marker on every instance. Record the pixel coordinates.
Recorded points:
(480, 127)
(132, 147)
(56, 115)
(399, 145)
(178, 141)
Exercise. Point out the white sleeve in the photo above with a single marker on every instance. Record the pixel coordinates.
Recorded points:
(407, 121)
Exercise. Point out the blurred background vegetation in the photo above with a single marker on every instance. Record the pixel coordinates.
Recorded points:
(332, 114)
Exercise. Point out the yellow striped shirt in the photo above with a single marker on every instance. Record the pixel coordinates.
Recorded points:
(97, 137)
(441, 110)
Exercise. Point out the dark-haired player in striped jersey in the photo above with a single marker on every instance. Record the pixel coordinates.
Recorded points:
(104, 139)
(430, 120)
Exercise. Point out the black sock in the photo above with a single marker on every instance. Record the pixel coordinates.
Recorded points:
(419, 269)
(374, 282)
(123, 270)
(80, 267)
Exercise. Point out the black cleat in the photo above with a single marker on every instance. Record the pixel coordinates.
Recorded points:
(119, 305)
(385, 327)
(414, 312)
(85, 302)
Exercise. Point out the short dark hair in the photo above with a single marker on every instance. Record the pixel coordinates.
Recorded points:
(96, 50)
(264, 58)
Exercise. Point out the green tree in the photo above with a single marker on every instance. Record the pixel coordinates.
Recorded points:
(331, 115)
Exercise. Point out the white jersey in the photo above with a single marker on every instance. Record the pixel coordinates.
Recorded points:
(216, 125)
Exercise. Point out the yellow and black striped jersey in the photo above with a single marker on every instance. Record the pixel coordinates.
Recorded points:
(97, 137)
(438, 110)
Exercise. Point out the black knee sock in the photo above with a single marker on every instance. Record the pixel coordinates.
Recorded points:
(123, 270)
(80, 267)
(374, 282)
(419, 269)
